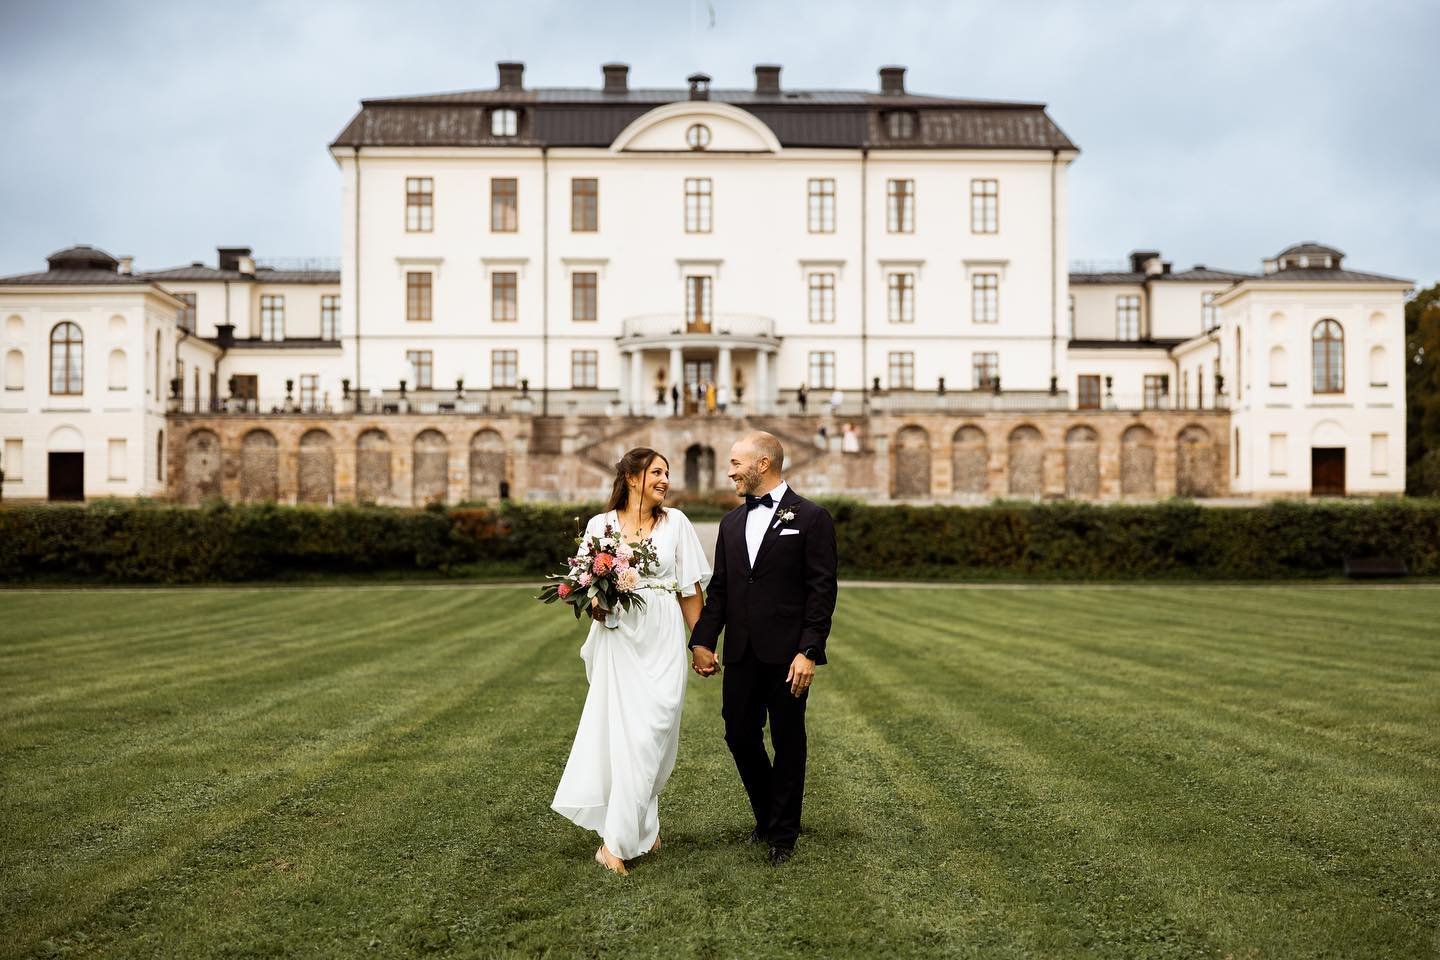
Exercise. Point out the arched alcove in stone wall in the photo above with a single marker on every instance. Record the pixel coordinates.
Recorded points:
(1082, 462)
(1137, 462)
(259, 466)
(372, 467)
(317, 467)
(1026, 449)
(971, 461)
(487, 464)
(912, 463)
(432, 467)
(200, 472)
(1195, 463)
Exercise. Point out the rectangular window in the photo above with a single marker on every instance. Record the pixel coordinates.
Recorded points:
(985, 297)
(900, 206)
(584, 204)
(698, 197)
(697, 304)
(822, 298)
(272, 317)
(419, 204)
(418, 297)
(421, 366)
(309, 390)
(984, 370)
(186, 318)
(584, 369)
(1379, 455)
(1208, 313)
(504, 122)
(504, 368)
(1071, 309)
(330, 316)
(984, 206)
(582, 297)
(1087, 391)
(1237, 451)
(821, 208)
(116, 460)
(1127, 317)
(504, 298)
(1157, 386)
(504, 205)
(1278, 455)
(902, 371)
(822, 370)
(901, 300)
(14, 459)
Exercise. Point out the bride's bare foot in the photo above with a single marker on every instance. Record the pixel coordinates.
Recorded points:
(656, 845)
(610, 862)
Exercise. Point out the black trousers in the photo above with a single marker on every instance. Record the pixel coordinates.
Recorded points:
(754, 690)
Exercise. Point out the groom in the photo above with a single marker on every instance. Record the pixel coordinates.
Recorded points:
(772, 593)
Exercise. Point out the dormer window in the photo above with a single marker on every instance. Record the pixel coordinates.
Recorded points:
(504, 122)
(698, 136)
(900, 124)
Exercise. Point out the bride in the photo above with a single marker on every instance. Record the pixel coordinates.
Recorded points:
(636, 663)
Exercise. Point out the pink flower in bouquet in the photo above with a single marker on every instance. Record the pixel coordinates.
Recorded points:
(583, 580)
(622, 564)
(602, 564)
(628, 580)
(625, 552)
(563, 590)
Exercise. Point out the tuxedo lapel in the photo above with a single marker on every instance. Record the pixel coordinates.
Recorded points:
(737, 538)
(773, 530)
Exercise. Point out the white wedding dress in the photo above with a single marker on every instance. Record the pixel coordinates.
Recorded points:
(625, 748)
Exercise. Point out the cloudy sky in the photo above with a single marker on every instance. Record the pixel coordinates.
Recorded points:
(1216, 131)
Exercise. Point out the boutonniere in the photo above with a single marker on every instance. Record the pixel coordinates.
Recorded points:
(785, 516)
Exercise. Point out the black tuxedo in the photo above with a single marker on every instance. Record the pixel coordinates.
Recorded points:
(769, 613)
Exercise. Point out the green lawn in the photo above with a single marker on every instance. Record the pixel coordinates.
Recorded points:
(1052, 772)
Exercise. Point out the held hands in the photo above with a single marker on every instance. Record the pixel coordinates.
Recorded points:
(703, 661)
(802, 674)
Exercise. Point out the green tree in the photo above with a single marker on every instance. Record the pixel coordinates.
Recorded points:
(1422, 393)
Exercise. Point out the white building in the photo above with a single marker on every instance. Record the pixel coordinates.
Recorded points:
(613, 250)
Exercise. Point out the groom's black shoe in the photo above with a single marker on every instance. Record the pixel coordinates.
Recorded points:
(779, 855)
(757, 836)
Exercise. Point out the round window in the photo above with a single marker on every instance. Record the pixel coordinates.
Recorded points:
(698, 136)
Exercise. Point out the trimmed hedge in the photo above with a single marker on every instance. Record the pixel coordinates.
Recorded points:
(123, 542)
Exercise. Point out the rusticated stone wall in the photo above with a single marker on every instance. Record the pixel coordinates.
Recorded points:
(413, 459)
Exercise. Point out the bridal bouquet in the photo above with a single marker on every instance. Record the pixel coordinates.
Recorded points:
(603, 569)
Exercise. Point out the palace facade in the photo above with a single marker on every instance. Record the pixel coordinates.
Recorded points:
(533, 280)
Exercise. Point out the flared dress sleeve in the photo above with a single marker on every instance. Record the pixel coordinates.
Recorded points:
(691, 567)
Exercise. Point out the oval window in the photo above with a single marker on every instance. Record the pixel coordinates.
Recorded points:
(698, 136)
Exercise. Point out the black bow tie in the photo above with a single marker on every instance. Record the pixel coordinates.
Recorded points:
(752, 502)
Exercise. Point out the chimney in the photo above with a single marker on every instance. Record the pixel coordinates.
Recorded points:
(246, 266)
(1139, 259)
(892, 81)
(767, 78)
(699, 86)
(126, 267)
(617, 77)
(511, 74)
(229, 257)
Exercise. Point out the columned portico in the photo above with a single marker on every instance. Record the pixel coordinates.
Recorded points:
(729, 339)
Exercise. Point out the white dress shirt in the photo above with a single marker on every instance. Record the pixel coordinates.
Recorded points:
(757, 521)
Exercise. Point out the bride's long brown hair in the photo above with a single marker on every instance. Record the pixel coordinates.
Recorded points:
(636, 463)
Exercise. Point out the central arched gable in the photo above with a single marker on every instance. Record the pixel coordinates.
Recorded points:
(663, 129)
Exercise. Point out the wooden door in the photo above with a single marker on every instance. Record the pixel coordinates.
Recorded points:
(1327, 471)
(67, 476)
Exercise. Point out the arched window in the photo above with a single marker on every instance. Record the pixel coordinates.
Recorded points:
(1327, 355)
(1378, 375)
(67, 359)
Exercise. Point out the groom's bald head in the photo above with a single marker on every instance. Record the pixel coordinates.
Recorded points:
(765, 447)
(756, 460)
